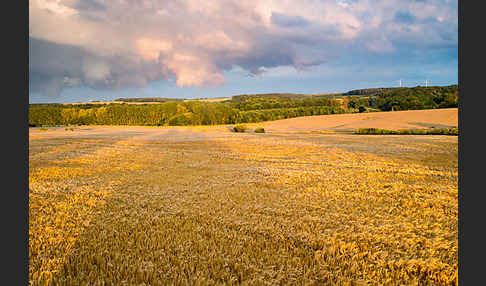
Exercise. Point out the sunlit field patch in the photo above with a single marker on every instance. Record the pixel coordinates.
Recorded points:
(188, 206)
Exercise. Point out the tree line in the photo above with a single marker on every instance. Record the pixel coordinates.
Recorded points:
(240, 109)
(169, 113)
(259, 103)
(409, 98)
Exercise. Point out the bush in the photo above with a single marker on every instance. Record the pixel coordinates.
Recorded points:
(405, 132)
(259, 130)
(375, 131)
(240, 128)
(444, 131)
(434, 131)
(361, 109)
(419, 132)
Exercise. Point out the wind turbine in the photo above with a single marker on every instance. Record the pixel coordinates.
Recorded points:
(426, 82)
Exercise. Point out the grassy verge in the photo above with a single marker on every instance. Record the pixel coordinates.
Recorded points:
(433, 131)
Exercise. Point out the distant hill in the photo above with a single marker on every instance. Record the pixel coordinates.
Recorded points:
(368, 91)
(244, 97)
(148, 99)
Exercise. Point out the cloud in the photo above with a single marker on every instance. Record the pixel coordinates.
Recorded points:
(89, 5)
(404, 17)
(115, 44)
(288, 21)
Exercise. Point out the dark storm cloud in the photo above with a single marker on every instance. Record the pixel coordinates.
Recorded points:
(53, 67)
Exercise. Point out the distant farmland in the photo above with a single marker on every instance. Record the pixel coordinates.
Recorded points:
(411, 119)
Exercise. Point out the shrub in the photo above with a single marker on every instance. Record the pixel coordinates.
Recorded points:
(405, 132)
(240, 128)
(259, 130)
(434, 131)
(453, 131)
(419, 132)
(444, 131)
(374, 131)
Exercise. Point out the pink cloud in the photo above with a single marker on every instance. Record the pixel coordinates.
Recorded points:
(136, 42)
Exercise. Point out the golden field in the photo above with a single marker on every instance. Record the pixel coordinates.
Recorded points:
(205, 206)
(391, 120)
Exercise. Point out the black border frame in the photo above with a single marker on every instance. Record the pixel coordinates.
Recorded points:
(16, 187)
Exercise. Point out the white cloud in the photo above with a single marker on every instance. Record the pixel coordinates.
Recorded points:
(125, 43)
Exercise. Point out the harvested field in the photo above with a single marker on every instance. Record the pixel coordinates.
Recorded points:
(395, 120)
(206, 206)
(216, 99)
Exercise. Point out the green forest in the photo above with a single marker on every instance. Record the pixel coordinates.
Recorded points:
(408, 98)
(241, 108)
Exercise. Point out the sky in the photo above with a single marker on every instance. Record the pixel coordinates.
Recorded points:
(85, 50)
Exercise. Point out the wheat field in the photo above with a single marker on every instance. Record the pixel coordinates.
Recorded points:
(205, 206)
(390, 120)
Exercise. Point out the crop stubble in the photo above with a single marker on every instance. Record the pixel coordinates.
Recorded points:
(181, 206)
